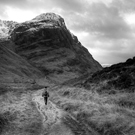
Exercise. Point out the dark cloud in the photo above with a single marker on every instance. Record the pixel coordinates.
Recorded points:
(71, 5)
(14, 3)
(103, 21)
(125, 6)
(74, 5)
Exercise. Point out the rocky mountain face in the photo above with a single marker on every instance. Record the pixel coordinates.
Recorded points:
(48, 46)
(119, 76)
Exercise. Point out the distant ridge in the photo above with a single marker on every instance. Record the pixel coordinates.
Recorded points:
(121, 76)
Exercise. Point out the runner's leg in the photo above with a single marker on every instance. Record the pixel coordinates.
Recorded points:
(46, 100)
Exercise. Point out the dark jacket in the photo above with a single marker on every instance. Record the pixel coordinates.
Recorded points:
(45, 94)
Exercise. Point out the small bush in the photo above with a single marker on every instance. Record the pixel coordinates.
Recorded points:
(66, 93)
(3, 90)
(123, 82)
(3, 122)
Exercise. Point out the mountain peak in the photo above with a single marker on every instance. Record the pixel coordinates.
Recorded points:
(47, 43)
(47, 16)
(50, 17)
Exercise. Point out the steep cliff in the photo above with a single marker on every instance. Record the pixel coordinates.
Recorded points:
(46, 42)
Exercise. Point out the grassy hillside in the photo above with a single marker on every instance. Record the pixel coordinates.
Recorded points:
(120, 76)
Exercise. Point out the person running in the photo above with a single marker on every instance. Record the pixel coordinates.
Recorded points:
(45, 94)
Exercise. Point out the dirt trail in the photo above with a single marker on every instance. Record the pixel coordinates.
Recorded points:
(58, 122)
(51, 117)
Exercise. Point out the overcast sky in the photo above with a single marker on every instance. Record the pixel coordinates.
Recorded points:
(105, 27)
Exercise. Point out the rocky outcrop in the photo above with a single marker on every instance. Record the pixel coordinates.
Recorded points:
(51, 47)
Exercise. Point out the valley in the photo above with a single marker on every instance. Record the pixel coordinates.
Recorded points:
(85, 98)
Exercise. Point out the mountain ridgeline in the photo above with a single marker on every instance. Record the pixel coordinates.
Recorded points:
(43, 47)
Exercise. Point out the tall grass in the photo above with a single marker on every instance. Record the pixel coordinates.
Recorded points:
(18, 114)
(3, 122)
(108, 114)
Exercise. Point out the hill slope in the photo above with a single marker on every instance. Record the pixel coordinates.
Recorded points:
(120, 76)
(13, 68)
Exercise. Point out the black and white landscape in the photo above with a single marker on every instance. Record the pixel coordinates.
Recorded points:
(85, 98)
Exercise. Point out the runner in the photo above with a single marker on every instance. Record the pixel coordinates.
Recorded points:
(45, 94)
